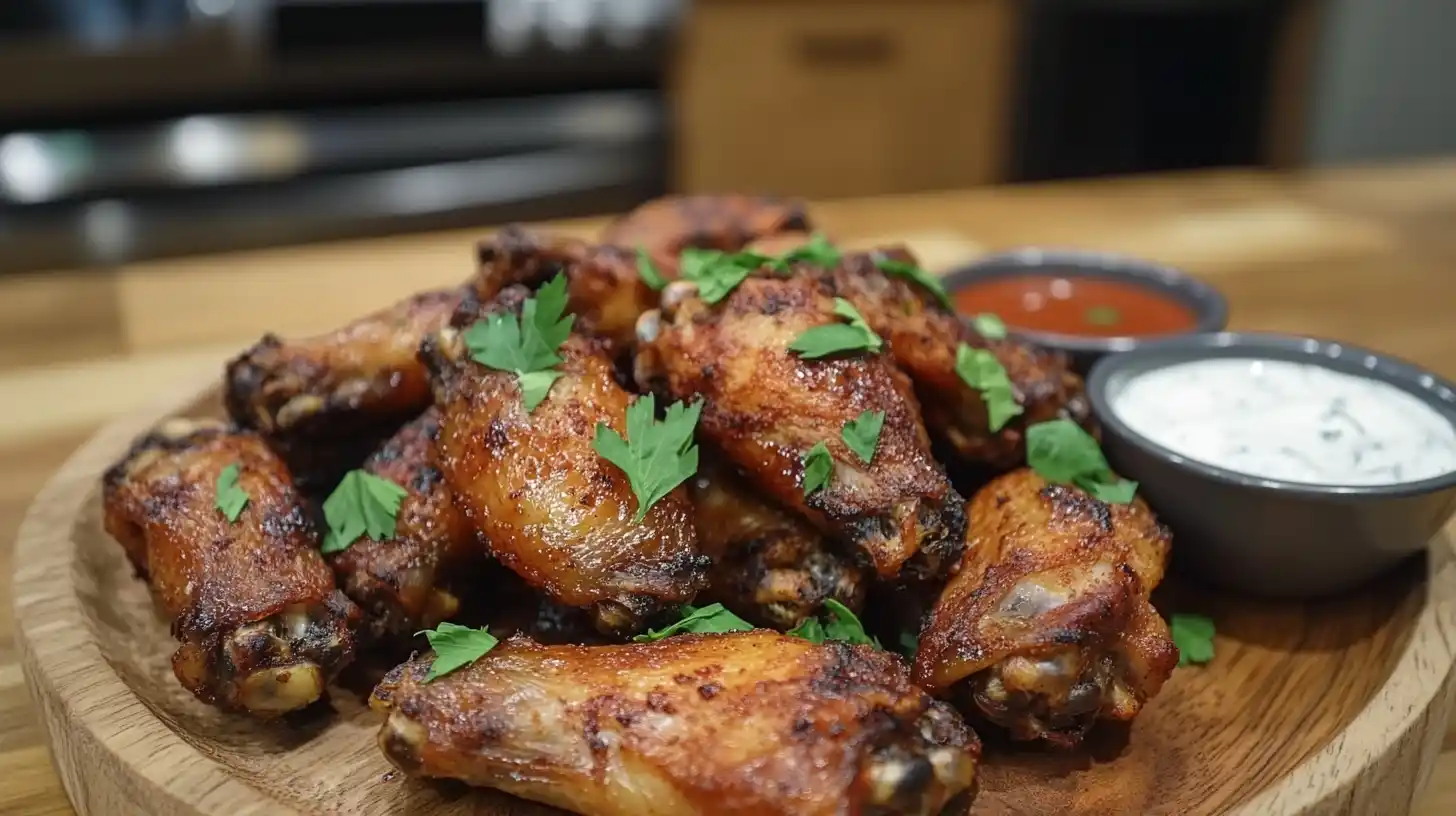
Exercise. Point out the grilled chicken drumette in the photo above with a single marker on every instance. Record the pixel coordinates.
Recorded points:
(1047, 627)
(261, 625)
(551, 508)
(769, 565)
(706, 725)
(326, 402)
(766, 407)
(667, 226)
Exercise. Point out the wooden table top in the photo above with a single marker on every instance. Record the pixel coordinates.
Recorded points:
(1366, 255)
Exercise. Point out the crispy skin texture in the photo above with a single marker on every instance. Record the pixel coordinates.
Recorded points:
(254, 606)
(1047, 627)
(923, 337)
(747, 723)
(553, 510)
(666, 226)
(766, 407)
(603, 288)
(414, 579)
(326, 402)
(769, 565)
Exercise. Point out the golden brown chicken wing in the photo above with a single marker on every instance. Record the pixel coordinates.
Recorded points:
(414, 579)
(769, 565)
(552, 509)
(767, 407)
(1047, 627)
(667, 226)
(746, 723)
(326, 402)
(261, 625)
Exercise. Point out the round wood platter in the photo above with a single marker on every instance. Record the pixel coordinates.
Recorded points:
(1335, 707)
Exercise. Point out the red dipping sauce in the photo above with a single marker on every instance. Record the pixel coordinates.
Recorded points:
(1077, 305)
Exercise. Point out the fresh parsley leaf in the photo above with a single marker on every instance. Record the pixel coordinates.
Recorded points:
(862, 434)
(716, 273)
(656, 456)
(818, 252)
(979, 369)
(809, 629)
(362, 504)
(989, 326)
(909, 644)
(1062, 452)
(1193, 635)
(526, 346)
(916, 274)
(818, 467)
(456, 647)
(1103, 316)
(230, 498)
(840, 623)
(648, 272)
(834, 338)
(710, 619)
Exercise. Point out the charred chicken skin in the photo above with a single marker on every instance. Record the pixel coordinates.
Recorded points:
(667, 226)
(1047, 627)
(705, 725)
(326, 402)
(254, 606)
(765, 407)
(413, 579)
(552, 509)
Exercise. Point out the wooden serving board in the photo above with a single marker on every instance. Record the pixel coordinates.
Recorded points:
(1328, 708)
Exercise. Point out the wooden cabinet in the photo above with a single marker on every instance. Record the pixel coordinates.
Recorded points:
(859, 97)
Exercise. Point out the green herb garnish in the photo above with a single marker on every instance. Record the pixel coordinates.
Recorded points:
(229, 498)
(710, 619)
(909, 644)
(656, 456)
(648, 271)
(979, 369)
(989, 326)
(818, 467)
(916, 274)
(1062, 452)
(456, 647)
(839, 624)
(1103, 316)
(527, 347)
(717, 273)
(835, 338)
(1193, 635)
(818, 252)
(862, 434)
(362, 504)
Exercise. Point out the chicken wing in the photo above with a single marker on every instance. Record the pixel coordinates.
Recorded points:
(769, 565)
(766, 407)
(254, 606)
(1047, 627)
(412, 580)
(668, 225)
(747, 723)
(326, 402)
(553, 510)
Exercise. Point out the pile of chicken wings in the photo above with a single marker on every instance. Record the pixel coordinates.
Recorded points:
(1024, 609)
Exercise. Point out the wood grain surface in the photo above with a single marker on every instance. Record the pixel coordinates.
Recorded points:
(1363, 255)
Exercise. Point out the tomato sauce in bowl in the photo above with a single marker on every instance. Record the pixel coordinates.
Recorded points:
(1078, 305)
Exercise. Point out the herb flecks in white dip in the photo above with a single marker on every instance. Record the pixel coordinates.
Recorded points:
(1289, 421)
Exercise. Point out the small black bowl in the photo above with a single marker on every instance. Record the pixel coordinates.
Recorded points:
(1207, 303)
(1268, 537)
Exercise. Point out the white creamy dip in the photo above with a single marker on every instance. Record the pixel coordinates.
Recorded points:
(1289, 421)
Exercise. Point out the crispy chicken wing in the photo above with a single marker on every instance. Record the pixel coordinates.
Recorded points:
(769, 565)
(414, 579)
(552, 509)
(766, 407)
(254, 606)
(667, 226)
(326, 402)
(1047, 627)
(748, 723)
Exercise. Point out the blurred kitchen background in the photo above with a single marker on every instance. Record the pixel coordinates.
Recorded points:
(134, 129)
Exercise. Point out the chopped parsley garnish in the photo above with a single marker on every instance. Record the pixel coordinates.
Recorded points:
(862, 434)
(717, 273)
(818, 467)
(818, 252)
(710, 619)
(916, 274)
(909, 644)
(839, 624)
(527, 347)
(979, 369)
(989, 326)
(836, 338)
(657, 456)
(362, 504)
(1193, 635)
(230, 498)
(648, 271)
(456, 647)
(1062, 452)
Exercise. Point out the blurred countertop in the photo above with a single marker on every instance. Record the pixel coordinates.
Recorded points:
(1366, 255)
